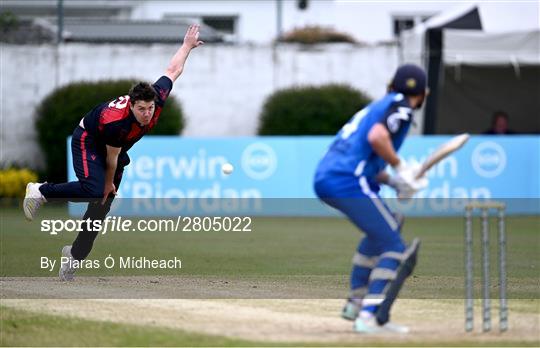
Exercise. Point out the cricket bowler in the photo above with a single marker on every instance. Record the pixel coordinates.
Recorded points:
(348, 178)
(99, 147)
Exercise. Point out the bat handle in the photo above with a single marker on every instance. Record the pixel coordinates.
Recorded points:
(421, 172)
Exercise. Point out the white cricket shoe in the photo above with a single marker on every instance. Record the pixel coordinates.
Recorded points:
(32, 200)
(367, 325)
(370, 326)
(66, 272)
(393, 327)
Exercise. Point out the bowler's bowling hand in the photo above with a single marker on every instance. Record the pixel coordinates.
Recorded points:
(109, 189)
(191, 39)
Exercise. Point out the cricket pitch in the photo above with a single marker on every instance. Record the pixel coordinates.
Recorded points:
(291, 321)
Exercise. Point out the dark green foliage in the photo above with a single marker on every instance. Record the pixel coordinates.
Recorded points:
(310, 110)
(310, 35)
(8, 21)
(60, 112)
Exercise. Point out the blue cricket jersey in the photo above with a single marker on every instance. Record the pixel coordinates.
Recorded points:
(350, 154)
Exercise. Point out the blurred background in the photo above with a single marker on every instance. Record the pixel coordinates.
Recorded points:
(269, 67)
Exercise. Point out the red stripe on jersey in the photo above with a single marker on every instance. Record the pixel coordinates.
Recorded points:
(135, 132)
(83, 150)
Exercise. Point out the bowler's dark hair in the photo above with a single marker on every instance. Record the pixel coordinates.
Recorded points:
(142, 91)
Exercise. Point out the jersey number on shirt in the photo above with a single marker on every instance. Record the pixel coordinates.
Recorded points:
(352, 126)
(120, 102)
(393, 121)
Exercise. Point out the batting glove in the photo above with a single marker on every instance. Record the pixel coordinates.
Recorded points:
(404, 180)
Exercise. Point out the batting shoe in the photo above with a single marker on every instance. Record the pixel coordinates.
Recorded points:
(32, 200)
(67, 271)
(369, 325)
(393, 327)
(351, 309)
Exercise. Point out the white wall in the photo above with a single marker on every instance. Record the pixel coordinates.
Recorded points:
(257, 19)
(367, 21)
(371, 21)
(222, 89)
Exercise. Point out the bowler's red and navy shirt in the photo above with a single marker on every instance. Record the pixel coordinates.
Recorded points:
(112, 123)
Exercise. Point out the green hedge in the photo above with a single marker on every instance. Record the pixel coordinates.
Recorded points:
(60, 112)
(310, 35)
(310, 110)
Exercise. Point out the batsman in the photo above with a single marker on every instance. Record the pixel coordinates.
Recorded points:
(99, 147)
(348, 178)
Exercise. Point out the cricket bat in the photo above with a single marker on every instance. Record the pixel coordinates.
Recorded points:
(442, 152)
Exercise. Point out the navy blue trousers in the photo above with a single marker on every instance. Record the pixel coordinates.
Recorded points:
(90, 166)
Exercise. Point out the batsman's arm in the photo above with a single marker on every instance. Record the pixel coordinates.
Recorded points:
(111, 162)
(191, 40)
(380, 141)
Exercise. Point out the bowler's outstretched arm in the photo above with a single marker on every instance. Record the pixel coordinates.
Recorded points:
(191, 40)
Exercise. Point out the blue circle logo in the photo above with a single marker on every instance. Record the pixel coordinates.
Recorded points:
(259, 161)
(488, 159)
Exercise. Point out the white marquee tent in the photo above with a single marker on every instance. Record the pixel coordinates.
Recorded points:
(473, 72)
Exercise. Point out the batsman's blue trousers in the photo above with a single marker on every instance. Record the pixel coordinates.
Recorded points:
(378, 254)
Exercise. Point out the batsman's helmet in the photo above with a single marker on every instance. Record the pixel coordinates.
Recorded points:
(409, 79)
